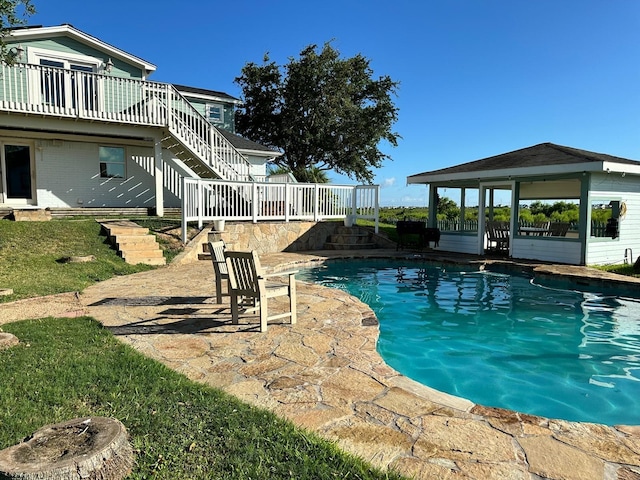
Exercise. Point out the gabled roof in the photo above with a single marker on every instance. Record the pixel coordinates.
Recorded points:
(248, 146)
(545, 158)
(37, 32)
(207, 94)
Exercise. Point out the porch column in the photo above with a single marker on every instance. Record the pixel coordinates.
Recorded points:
(482, 221)
(158, 176)
(433, 207)
(584, 217)
(491, 195)
(462, 208)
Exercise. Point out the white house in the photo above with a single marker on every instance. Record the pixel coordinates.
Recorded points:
(81, 125)
(545, 172)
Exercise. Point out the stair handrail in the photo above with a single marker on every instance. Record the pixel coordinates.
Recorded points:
(192, 128)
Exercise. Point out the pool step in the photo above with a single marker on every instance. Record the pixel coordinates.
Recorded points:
(350, 238)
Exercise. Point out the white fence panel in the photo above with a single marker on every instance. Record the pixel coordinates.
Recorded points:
(208, 200)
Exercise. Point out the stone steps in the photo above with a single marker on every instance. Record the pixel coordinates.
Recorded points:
(133, 242)
(350, 238)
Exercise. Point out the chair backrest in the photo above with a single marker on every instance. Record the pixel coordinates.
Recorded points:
(244, 272)
(559, 229)
(217, 257)
(497, 229)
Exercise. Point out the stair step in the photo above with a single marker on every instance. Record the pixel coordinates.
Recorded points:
(138, 247)
(133, 242)
(148, 257)
(350, 239)
(128, 255)
(344, 246)
(123, 227)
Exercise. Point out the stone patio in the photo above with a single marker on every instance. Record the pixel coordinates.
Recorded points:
(325, 374)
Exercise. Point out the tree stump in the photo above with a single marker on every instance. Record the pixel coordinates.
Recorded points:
(95, 448)
(7, 340)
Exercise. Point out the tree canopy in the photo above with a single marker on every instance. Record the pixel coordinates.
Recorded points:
(13, 13)
(321, 111)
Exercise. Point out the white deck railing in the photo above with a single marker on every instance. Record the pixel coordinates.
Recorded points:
(208, 200)
(52, 91)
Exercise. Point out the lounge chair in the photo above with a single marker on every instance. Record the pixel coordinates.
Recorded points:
(219, 268)
(247, 281)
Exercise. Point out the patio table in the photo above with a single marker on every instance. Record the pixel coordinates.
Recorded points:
(539, 231)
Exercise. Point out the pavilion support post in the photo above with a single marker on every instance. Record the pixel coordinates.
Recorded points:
(433, 206)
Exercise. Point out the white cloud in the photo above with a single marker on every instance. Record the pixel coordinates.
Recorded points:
(388, 182)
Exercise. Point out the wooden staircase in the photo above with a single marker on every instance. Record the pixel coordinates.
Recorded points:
(133, 242)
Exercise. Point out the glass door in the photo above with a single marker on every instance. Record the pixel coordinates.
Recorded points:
(66, 84)
(17, 178)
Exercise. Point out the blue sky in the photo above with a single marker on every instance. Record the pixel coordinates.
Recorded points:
(477, 77)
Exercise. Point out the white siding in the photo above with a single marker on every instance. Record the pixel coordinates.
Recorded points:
(258, 168)
(601, 251)
(459, 243)
(68, 175)
(547, 249)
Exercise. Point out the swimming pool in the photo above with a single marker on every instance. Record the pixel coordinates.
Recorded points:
(500, 339)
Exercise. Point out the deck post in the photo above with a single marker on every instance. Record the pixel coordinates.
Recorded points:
(184, 208)
(159, 177)
(377, 208)
(316, 202)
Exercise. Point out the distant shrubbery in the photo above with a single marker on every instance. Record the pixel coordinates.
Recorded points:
(536, 212)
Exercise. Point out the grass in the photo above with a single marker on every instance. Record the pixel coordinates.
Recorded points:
(179, 429)
(31, 255)
(620, 269)
(386, 229)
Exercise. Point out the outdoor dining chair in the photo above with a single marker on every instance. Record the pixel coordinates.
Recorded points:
(498, 235)
(247, 281)
(219, 268)
(559, 229)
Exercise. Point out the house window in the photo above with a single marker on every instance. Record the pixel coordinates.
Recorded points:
(112, 162)
(215, 113)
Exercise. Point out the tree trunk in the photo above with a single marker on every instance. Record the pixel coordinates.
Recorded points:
(95, 448)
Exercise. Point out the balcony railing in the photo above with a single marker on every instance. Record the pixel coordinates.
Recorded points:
(41, 90)
(208, 200)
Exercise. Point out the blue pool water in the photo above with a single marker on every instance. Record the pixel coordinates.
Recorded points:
(501, 340)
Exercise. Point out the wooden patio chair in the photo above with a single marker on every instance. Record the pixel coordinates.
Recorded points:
(498, 235)
(558, 229)
(219, 268)
(247, 281)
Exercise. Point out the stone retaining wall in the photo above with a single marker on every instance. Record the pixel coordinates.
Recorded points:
(271, 237)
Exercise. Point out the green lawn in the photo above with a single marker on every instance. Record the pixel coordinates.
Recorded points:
(179, 429)
(32, 253)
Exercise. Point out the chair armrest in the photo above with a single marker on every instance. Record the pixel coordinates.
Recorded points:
(279, 274)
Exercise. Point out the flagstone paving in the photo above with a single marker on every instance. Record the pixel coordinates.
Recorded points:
(325, 374)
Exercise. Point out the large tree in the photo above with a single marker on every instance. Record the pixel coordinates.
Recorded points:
(13, 13)
(322, 111)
